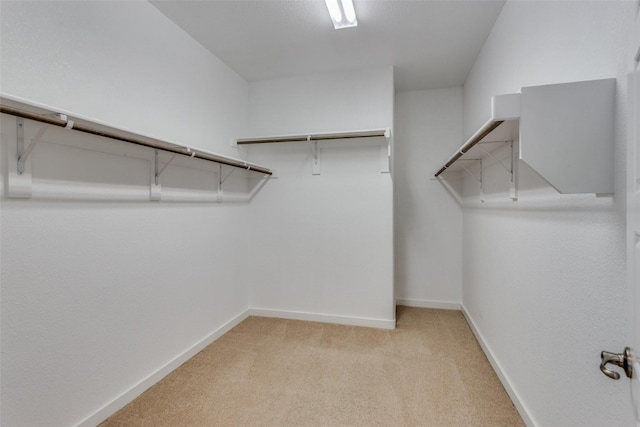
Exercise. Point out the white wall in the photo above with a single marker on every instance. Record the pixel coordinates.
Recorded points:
(110, 60)
(428, 221)
(361, 99)
(543, 277)
(322, 245)
(98, 296)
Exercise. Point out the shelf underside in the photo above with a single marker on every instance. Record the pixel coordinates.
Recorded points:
(505, 133)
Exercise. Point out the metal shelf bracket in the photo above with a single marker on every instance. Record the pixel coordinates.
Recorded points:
(477, 178)
(511, 169)
(220, 192)
(158, 171)
(23, 153)
(315, 153)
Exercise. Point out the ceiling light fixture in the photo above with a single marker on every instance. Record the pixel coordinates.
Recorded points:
(342, 13)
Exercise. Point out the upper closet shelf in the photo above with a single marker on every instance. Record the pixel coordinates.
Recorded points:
(32, 111)
(503, 108)
(565, 132)
(316, 136)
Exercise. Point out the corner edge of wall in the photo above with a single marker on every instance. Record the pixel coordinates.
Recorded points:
(522, 409)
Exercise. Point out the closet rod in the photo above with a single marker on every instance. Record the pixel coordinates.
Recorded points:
(477, 137)
(316, 136)
(134, 139)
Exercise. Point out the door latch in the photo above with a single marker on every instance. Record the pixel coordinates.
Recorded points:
(622, 360)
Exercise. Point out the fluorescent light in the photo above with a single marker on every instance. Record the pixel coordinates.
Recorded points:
(342, 13)
(334, 11)
(349, 12)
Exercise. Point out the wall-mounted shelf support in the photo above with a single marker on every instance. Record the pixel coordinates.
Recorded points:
(484, 131)
(564, 132)
(158, 172)
(503, 108)
(385, 155)
(96, 128)
(23, 153)
(509, 168)
(20, 182)
(228, 175)
(220, 194)
(479, 178)
(221, 181)
(156, 187)
(385, 147)
(20, 157)
(315, 157)
(479, 175)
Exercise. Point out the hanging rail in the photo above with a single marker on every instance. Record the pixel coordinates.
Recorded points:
(503, 108)
(316, 137)
(477, 137)
(62, 121)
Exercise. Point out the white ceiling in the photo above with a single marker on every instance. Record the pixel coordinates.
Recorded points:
(431, 43)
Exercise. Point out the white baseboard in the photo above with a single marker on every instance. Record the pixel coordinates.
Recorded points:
(135, 391)
(423, 303)
(504, 379)
(325, 318)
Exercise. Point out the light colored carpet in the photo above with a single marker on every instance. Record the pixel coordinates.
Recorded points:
(430, 371)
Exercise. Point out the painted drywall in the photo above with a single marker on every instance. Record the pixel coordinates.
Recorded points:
(108, 60)
(361, 99)
(322, 245)
(428, 221)
(544, 277)
(102, 298)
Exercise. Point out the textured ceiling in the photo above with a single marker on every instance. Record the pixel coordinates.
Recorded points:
(431, 43)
